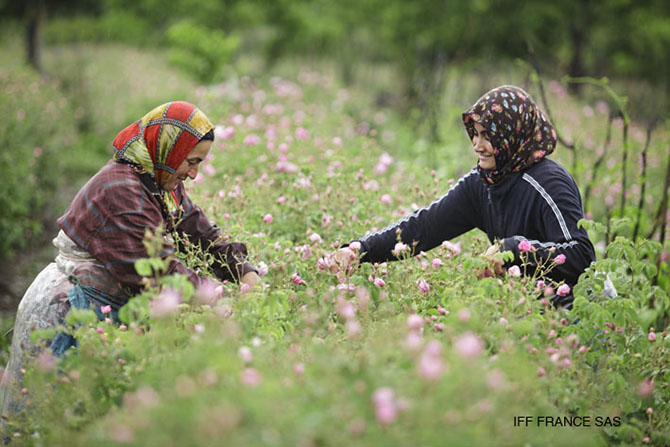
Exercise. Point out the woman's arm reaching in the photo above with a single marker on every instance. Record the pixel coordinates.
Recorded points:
(230, 258)
(453, 214)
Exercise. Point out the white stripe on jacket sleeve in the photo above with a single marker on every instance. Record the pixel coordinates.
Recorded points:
(552, 204)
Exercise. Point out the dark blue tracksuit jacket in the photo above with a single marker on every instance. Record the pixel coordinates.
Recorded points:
(540, 204)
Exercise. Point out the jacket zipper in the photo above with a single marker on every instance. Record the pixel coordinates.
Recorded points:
(499, 218)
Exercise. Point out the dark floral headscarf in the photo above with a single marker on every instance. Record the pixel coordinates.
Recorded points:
(518, 130)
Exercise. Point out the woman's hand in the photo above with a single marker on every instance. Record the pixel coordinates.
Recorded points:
(250, 279)
(494, 261)
(344, 258)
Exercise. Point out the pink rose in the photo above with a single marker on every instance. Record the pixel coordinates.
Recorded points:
(297, 280)
(209, 170)
(353, 327)
(262, 268)
(386, 199)
(345, 308)
(251, 140)
(563, 290)
(424, 287)
(386, 409)
(524, 245)
(645, 388)
(251, 377)
(414, 321)
(165, 303)
(430, 364)
(453, 248)
(560, 259)
(301, 133)
(469, 345)
(245, 354)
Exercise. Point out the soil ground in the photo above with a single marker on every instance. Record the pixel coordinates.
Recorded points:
(19, 270)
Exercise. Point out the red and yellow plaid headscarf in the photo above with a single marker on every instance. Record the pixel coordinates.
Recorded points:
(159, 142)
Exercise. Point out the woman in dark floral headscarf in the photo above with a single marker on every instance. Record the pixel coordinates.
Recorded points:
(517, 129)
(523, 200)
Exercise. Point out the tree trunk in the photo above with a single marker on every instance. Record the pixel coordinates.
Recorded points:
(576, 68)
(36, 15)
(578, 37)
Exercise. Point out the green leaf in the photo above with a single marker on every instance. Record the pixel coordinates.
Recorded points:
(646, 317)
(650, 270)
(523, 327)
(617, 383)
(181, 284)
(136, 309)
(43, 334)
(143, 267)
(81, 316)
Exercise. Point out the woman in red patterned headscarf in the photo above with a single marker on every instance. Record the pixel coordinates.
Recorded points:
(103, 230)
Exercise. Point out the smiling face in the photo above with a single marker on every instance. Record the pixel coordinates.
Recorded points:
(481, 144)
(189, 167)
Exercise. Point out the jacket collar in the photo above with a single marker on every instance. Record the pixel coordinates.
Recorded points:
(501, 189)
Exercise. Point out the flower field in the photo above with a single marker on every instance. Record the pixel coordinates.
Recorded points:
(419, 352)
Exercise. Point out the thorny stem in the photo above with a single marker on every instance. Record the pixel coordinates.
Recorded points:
(604, 84)
(660, 218)
(620, 102)
(536, 77)
(624, 163)
(543, 266)
(640, 204)
(599, 161)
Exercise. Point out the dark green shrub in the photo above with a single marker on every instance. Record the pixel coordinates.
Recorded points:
(200, 51)
(113, 27)
(36, 133)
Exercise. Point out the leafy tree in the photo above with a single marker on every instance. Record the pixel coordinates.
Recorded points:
(199, 50)
(34, 13)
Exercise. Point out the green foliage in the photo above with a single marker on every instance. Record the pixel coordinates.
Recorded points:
(298, 360)
(112, 86)
(200, 51)
(35, 131)
(116, 26)
(56, 130)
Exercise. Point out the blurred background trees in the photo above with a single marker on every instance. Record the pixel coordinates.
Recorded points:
(420, 39)
(575, 37)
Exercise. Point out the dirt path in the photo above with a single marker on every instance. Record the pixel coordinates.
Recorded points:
(18, 271)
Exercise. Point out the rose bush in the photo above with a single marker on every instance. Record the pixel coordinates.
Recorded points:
(417, 352)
